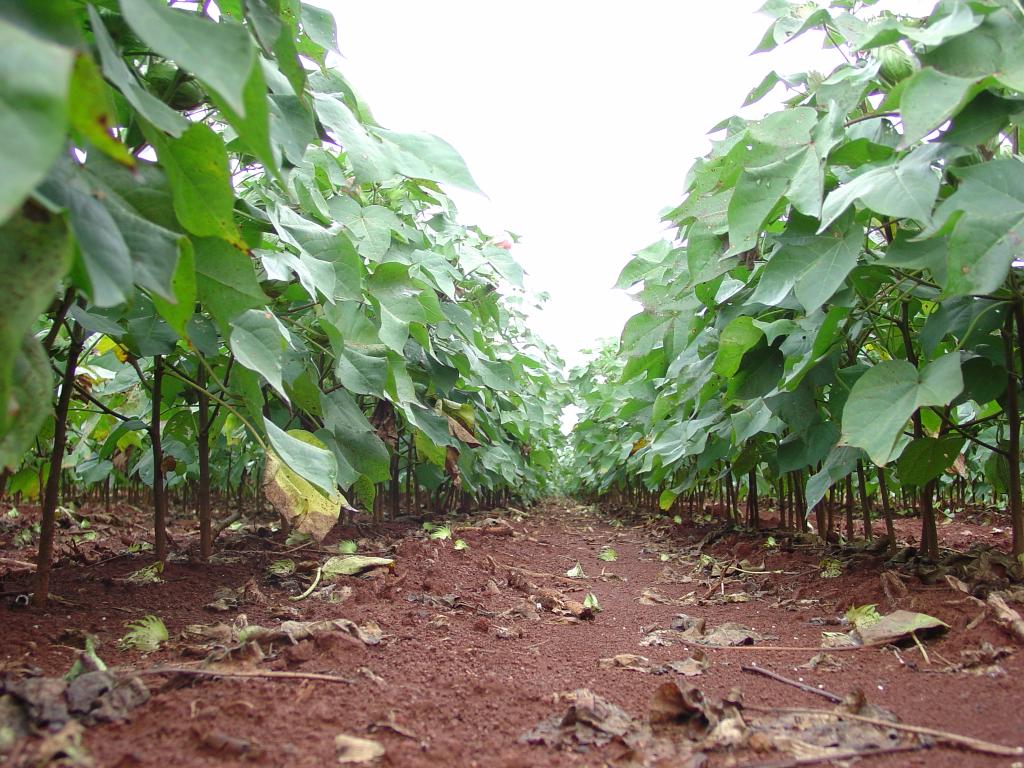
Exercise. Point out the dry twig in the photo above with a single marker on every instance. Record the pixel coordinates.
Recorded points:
(946, 737)
(834, 698)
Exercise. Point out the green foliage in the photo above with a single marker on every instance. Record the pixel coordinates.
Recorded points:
(145, 635)
(178, 182)
(347, 547)
(838, 274)
(862, 615)
(284, 567)
(149, 574)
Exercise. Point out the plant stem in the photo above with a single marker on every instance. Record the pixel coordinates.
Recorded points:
(60, 436)
(159, 494)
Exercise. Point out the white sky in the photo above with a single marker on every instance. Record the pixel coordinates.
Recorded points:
(578, 119)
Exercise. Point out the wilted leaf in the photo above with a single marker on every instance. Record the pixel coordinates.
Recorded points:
(898, 625)
(351, 565)
(354, 749)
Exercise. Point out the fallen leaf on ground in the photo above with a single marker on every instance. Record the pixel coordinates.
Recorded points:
(1007, 618)
(690, 667)
(226, 744)
(654, 597)
(351, 565)
(626, 661)
(823, 662)
(65, 745)
(354, 749)
(508, 633)
(589, 720)
(682, 708)
(897, 626)
(241, 633)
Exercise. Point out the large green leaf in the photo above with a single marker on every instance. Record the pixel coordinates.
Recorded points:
(737, 337)
(424, 156)
(29, 402)
(34, 84)
(360, 372)
(370, 227)
(929, 99)
(319, 24)
(399, 299)
(312, 462)
(220, 54)
(839, 463)
(904, 189)
(197, 166)
(926, 458)
(35, 250)
(253, 124)
(117, 72)
(987, 236)
(888, 394)
(814, 267)
(179, 310)
(367, 154)
(226, 281)
(259, 342)
(91, 110)
(357, 442)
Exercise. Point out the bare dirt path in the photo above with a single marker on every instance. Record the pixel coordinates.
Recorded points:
(454, 655)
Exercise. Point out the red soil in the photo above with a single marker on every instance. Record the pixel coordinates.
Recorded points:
(461, 695)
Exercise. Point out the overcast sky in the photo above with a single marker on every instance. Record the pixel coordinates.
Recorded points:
(578, 119)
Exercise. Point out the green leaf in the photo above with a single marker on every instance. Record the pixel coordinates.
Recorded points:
(319, 24)
(362, 453)
(369, 227)
(35, 252)
(145, 635)
(178, 312)
(35, 75)
(988, 236)
(29, 402)
(226, 281)
(351, 565)
(259, 341)
(253, 124)
(839, 463)
(117, 72)
(220, 54)
(197, 166)
(926, 458)
(91, 112)
(399, 299)
(366, 153)
(429, 450)
(361, 373)
(905, 189)
(302, 454)
(117, 246)
(739, 336)
(929, 99)
(814, 267)
(887, 395)
(755, 197)
(424, 156)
